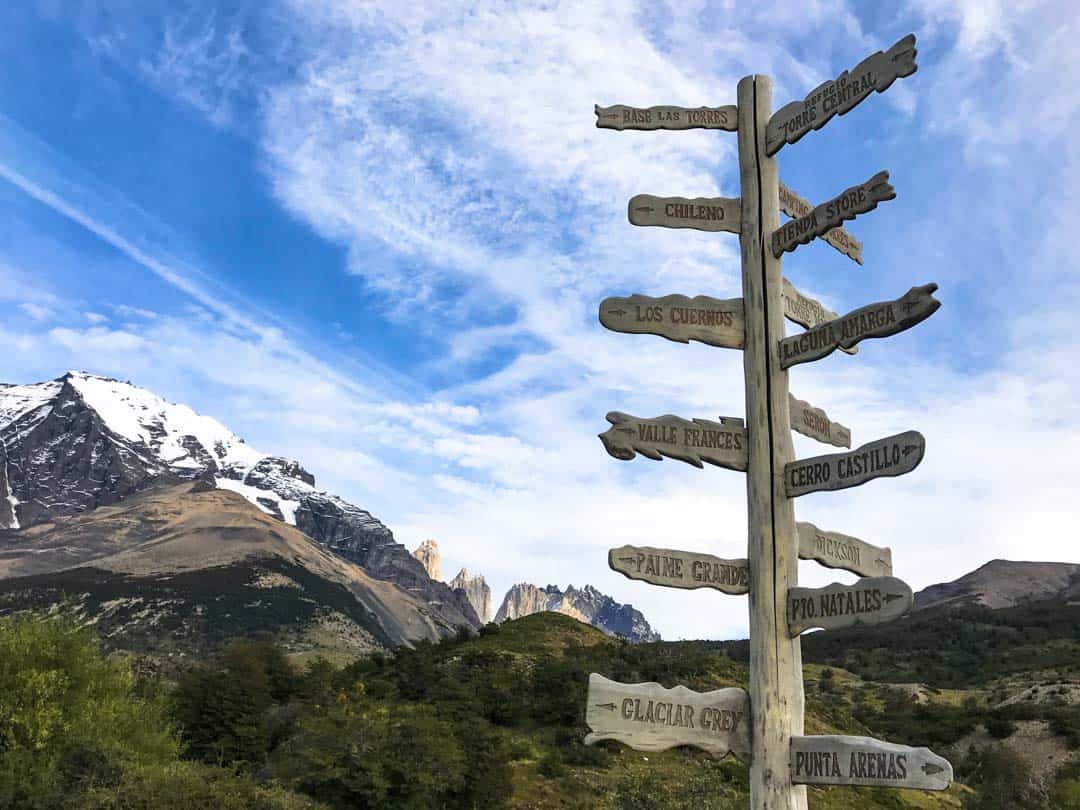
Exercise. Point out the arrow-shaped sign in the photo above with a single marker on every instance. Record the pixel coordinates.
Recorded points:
(695, 441)
(795, 206)
(876, 72)
(813, 422)
(806, 311)
(835, 550)
(648, 717)
(699, 213)
(872, 600)
(892, 456)
(715, 321)
(847, 205)
(681, 569)
(622, 117)
(845, 760)
(877, 320)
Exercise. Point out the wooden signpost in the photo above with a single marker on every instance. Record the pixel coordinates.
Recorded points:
(681, 569)
(700, 213)
(721, 443)
(718, 322)
(812, 422)
(871, 600)
(847, 205)
(842, 760)
(835, 550)
(768, 728)
(878, 320)
(884, 458)
(622, 117)
(795, 206)
(648, 717)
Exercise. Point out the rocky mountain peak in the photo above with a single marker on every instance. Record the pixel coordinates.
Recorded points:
(1004, 583)
(477, 591)
(431, 558)
(586, 604)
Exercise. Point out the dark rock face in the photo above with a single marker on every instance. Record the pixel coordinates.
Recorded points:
(586, 604)
(80, 442)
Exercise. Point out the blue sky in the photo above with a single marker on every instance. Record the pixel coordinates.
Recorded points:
(374, 236)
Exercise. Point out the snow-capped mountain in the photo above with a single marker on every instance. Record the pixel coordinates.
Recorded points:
(83, 441)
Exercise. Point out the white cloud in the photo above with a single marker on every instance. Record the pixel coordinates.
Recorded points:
(36, 311)
(96, 317)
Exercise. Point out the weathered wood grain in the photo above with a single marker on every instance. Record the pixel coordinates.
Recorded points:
(776, 683)
(693, 441)
(648, 717)
(884, 458)
(871, 600)
(813, 422)
(835, 550)
(807, 311)
(699, 213)
(875, 73)
(621, 117)
(795, 206)
(877, 320)
(716, 321)
(850, 203)
(844, 760)
(680, 569)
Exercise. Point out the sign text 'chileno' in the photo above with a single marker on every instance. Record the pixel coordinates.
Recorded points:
(699, 213)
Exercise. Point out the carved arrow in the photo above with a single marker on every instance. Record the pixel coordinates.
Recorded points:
(931, 769)
(609, 706)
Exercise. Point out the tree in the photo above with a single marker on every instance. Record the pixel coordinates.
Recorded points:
(1003, 779)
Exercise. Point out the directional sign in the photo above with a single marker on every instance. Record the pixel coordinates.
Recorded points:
(721, 443)
(806, 311)
(681, 569)
(795, 206)
(877, 320)
(835, 550)
(822, 219)
(812, 422)
(648, 717)
(622, 117)
(883, 458)
(718, 322)
(700, 213)
(872, 600)
(843, 760)
(876, 72)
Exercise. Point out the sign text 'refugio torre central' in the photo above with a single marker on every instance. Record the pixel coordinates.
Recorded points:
(765, 727)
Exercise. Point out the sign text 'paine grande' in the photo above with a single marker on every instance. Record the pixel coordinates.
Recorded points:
(648, 717)
(836, 550)
(699, 213)
(619, 116)
(876, 72)
(871, 600)
(877, 320)
(718, 322)
(812, 422)
(681, 569)
(844, 760)
(884, 458)
(693, 441)
(795, 206)
(847, 205)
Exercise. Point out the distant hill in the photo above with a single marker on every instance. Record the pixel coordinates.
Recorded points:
(1004, 583)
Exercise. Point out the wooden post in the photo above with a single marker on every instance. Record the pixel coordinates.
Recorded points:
(776, 690)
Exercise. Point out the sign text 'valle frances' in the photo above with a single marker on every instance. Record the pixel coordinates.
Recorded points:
(843, 760)
(876, 72)
(847, 205)
(718, 322)
(694, 441)
(871, 600)
(877, 320)
(681, 569)
(795, 206)
(884, 458)
(621, 117)
(648, 717)
(699, 213)
(835, 550)
(812, 422)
